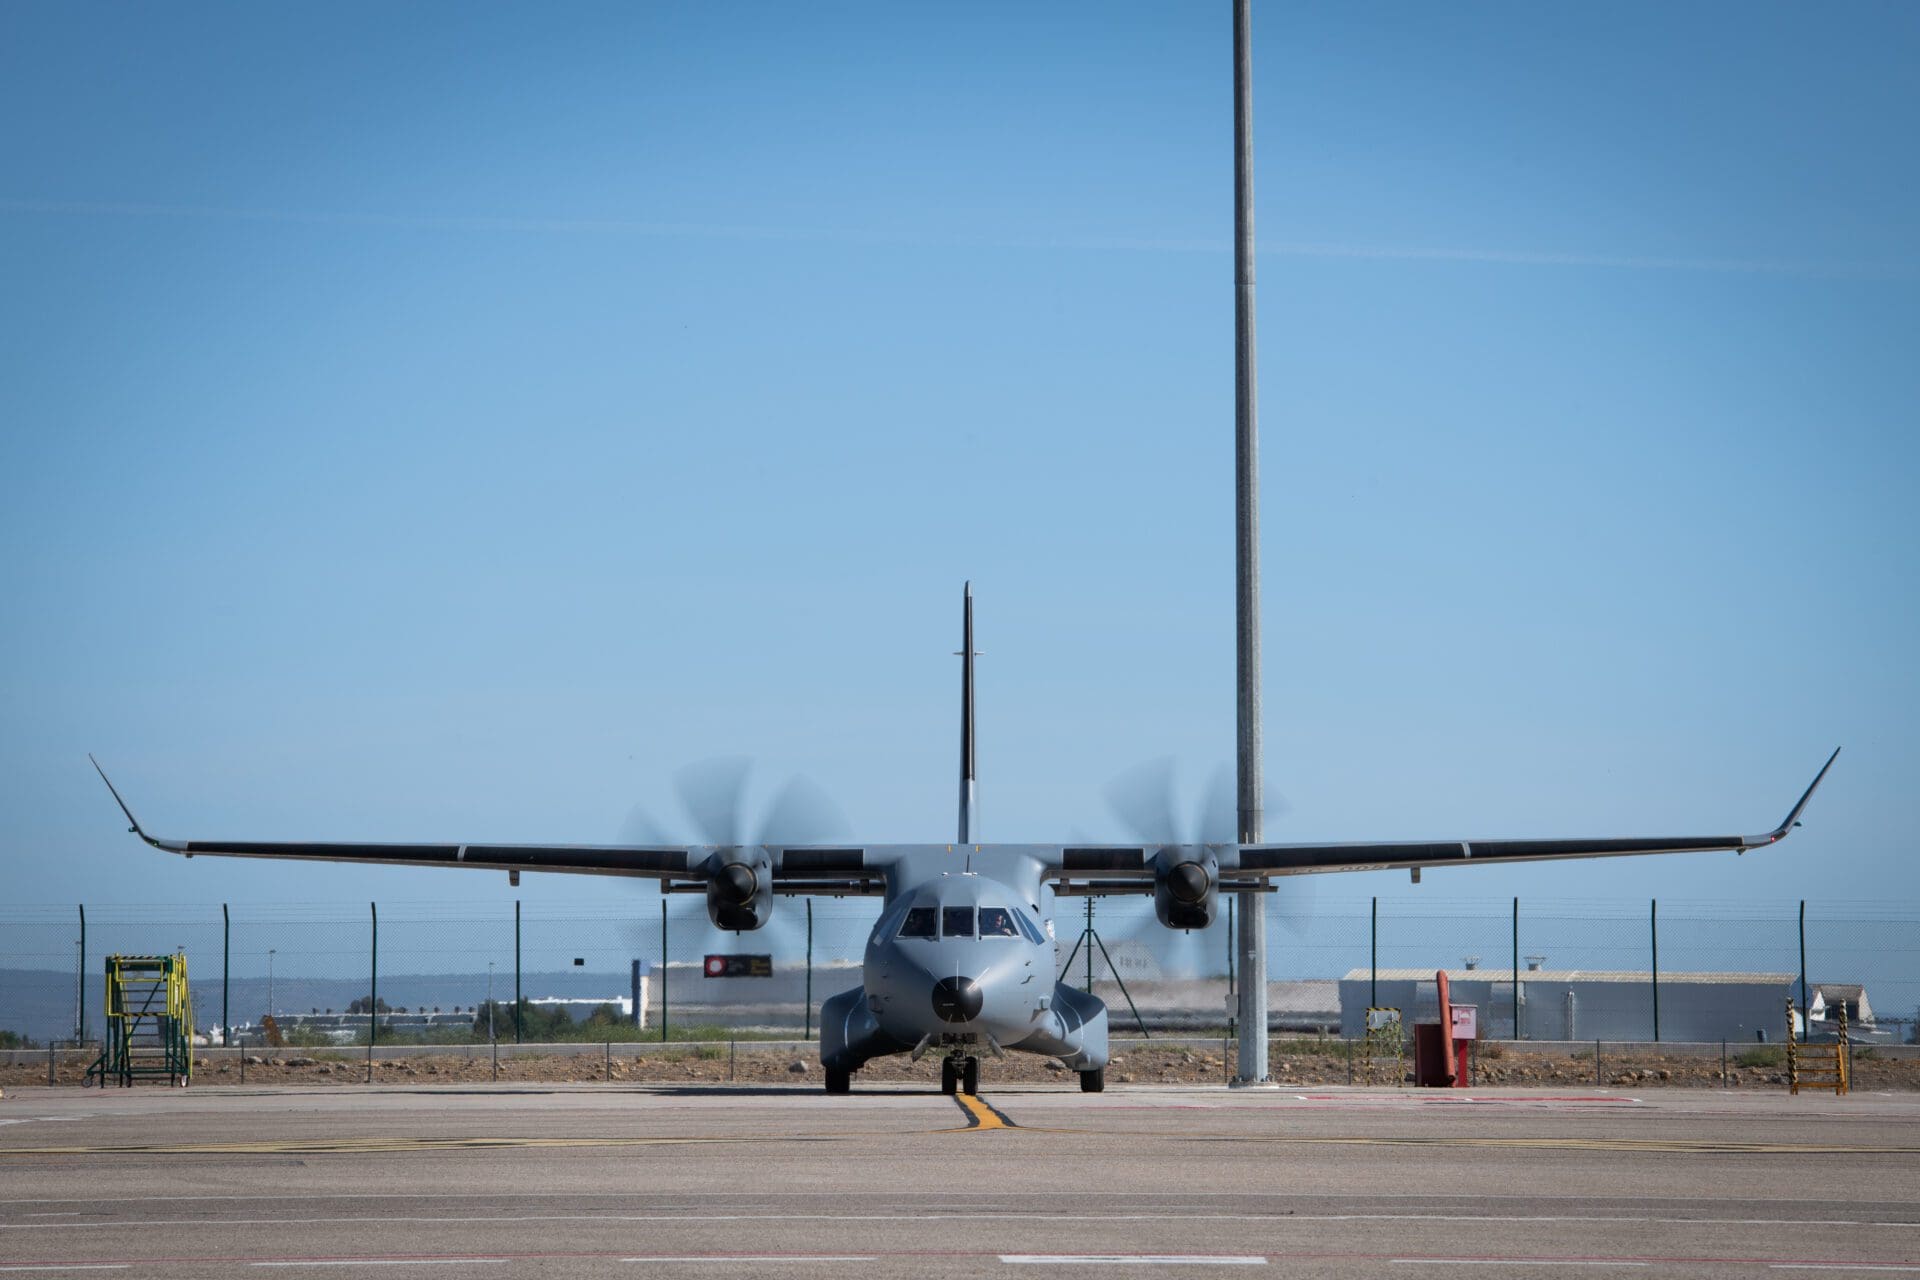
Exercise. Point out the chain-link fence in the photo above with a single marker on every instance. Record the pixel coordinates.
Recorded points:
(647, 968)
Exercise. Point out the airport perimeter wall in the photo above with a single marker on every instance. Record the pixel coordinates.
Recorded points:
(247, 960)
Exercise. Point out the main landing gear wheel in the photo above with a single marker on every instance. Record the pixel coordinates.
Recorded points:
(839, 1081)
(949, 1078)
(1094, 1081)
(970, 1076)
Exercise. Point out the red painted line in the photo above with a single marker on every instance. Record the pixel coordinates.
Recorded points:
(229, 1259)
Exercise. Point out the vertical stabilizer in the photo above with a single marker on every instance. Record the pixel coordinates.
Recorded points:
(967, 815)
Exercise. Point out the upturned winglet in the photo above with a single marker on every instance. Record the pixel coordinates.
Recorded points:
(1792, 819)
(171, 846)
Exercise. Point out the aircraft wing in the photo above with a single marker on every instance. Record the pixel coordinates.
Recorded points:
(794, 870)
(1134, 869)
(1262, 860)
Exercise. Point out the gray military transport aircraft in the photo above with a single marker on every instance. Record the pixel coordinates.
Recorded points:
(962, 959)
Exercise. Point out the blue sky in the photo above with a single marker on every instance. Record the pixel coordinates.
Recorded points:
(446, 422)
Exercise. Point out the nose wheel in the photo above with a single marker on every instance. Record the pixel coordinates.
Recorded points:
(959, 1075)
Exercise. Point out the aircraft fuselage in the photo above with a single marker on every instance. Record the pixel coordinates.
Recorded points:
(962, 962)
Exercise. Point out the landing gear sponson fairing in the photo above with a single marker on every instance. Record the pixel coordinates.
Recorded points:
(962, 960)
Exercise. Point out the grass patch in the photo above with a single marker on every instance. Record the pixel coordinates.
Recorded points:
(1771, 1055)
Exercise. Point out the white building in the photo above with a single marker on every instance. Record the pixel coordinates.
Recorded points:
(1584, 1004)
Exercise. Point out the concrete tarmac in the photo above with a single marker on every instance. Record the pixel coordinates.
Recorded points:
(611, 1180)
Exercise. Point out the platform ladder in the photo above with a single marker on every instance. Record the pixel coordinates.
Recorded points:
(149, 1022)
(1817, 1066)
(1383, 1052)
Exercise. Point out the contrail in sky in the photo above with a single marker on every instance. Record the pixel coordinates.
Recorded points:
(1121, 244)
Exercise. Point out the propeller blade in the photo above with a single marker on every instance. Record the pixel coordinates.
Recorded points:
(1182, 954)
(1220, 808)
(1142, 798)
(640, 828)
(1295, 908)
(803, 813)
(714, 794)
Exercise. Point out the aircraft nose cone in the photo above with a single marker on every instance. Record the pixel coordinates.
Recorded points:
(736, 882)
(1188, 882)
(957, 999)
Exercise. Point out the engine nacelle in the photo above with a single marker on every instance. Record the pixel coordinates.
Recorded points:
(1186, 888)
(740, 889)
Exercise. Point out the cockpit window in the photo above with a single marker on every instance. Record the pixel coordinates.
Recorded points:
(997, 922)
(956, 922)
(1029, 928)
(919, 922)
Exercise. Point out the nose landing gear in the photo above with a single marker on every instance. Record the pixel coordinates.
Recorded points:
(959, 1075)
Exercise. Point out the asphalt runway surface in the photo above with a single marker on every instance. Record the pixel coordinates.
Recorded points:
(630, 1181)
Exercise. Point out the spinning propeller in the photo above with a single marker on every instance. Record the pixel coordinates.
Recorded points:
(714, 795)
(1145, 799)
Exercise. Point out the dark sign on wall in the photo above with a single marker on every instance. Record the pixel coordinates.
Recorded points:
(739, 966)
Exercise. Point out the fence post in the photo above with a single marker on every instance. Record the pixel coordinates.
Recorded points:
(1653, 925)
(1803, 955)
(1373, 961)
(516, 971)
(80, 1031)
(807, 1033)
(1233, 900)
(1516, 968)
(226, 976)
(373, 984)
(663, 970)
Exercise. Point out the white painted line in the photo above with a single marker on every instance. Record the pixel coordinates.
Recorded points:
(71, 1266)
(388, 1262)
(1513, 1262)
(763, 1257)
(1134, 1260)
(1839, 1266)
(40, 1119)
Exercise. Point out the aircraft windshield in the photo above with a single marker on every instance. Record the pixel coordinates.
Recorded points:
(1029, 928)
(956, 922)
(997, 922)
(919, 923)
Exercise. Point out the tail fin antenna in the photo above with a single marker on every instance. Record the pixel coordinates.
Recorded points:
(969, 816)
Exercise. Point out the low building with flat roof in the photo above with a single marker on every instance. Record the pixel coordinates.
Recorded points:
(1582, 1004)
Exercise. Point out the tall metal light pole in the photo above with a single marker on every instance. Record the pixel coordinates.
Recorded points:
(269, 981)
(1252, 1003)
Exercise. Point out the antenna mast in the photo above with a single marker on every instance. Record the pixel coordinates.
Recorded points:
(967, 814)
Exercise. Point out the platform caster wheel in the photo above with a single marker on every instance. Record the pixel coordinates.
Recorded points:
(1094, 1081)
(970, 1076)
(839, 1081)
(949, 1078)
